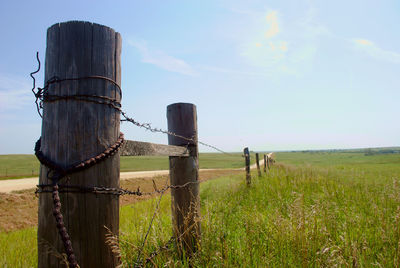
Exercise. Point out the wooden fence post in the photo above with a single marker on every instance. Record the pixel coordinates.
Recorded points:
(247, 162)
(258, 165)
(185, 201)
(265, 163)
(268, 164)
(74, 130)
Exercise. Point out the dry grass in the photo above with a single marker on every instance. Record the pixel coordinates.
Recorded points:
(18, 210)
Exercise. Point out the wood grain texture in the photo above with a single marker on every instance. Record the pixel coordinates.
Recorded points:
(138, 148)
(247, 164)
(258, 164)
(73, 131)
(265, 163)
(185, 202)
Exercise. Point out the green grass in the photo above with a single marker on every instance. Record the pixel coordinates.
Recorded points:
(206, 161)
(348, 165)
(22, 166)
(18, 166)
(293, 217)
(337, 160)
(18, 249)
(317, 211)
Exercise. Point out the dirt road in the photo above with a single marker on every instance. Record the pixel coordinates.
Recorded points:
(7, 186)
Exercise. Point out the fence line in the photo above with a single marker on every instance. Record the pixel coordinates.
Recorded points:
(59, 100)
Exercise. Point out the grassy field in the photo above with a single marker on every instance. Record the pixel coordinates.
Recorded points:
(315, 210)
(18, 166)
(21, 166)
(338, 160)
(347, 165)
(206, 160)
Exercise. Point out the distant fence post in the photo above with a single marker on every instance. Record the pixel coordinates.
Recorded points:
(258, 165)
(75, 129)
(268, 163)
(247, 162)
(265, 163)
(185, 203)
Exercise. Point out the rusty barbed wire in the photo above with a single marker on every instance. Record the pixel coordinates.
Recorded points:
(151, 222)
(84, 97)
(148, 126)
(140, 264)
(157, 251)
(34, 83)
(63, 188)
(57, 172)
(103, 190)
(63, 171)
(62, 230)
(42, 95)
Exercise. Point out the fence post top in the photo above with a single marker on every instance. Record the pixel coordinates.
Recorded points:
(182, 104)
(76, 22)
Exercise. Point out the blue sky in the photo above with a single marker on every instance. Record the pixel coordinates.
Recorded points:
(271, 75)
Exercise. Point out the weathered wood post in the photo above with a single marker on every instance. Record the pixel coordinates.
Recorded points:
(258, 165)
(74, 128)
(247, 163)
(185, 203)
(265, 163)
(268, 163)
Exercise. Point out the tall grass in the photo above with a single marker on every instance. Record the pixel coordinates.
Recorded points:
(18, 249)
(294, 216)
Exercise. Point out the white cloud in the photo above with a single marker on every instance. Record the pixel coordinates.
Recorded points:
(363, 42)
(272, 20)
(15, 92)
(371, 49)
(162, 60)
(265, 48)
(279, 46)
